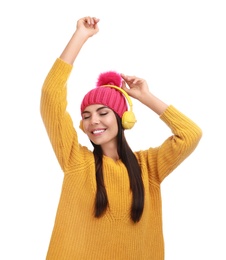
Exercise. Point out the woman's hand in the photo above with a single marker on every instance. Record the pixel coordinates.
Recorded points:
(88, 25)
(138, 89)
(137, 86)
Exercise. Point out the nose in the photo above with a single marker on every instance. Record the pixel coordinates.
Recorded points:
(94, 119)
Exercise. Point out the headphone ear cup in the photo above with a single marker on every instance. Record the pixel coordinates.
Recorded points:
(81, 126)
(128, 120)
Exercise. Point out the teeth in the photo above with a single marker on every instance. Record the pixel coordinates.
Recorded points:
(98, 131)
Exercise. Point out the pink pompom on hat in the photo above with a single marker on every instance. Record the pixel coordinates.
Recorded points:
(105, 95)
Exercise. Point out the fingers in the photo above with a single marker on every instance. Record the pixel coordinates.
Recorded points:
(91, 21)
(128, 79)
(124, 87)
(131, 79)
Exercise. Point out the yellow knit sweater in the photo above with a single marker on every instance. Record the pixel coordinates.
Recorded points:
(77, 234)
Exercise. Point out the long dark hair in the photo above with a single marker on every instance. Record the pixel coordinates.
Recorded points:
(136, 184)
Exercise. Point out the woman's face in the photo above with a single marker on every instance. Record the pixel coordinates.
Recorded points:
(100, 124)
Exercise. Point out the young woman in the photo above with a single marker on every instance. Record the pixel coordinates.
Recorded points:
(110, 205)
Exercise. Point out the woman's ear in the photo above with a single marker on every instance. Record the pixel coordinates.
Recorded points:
(81, 126)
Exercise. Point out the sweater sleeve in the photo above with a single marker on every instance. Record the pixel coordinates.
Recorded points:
(162, 160)
(57, 121)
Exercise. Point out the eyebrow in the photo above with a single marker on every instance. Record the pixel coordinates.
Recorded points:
(98, 109)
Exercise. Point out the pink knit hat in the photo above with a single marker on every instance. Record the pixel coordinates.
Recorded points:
(107, 96)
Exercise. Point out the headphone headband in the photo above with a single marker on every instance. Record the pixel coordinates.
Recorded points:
(123, 92)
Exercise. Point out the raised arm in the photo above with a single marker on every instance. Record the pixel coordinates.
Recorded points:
(186, 133)
(53, 103)
(86, 27)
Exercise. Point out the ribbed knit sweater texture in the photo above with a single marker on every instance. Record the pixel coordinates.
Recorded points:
(77, 234)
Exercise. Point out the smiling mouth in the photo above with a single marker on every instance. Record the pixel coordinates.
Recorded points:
(99, 131)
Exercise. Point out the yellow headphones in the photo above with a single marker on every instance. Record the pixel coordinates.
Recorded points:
(128, 117)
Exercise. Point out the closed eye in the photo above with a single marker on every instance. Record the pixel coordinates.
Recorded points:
(103, 114)
(86, 116)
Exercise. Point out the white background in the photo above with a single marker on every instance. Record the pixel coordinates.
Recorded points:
(178, 47)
